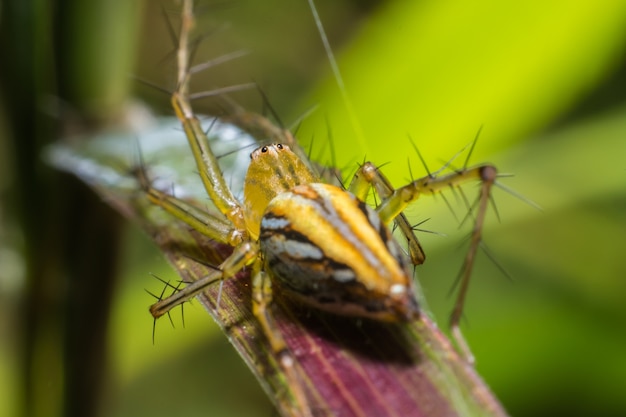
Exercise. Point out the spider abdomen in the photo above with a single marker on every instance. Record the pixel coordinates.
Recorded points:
(326, 248)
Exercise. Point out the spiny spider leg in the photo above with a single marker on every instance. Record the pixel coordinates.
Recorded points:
(394, 201)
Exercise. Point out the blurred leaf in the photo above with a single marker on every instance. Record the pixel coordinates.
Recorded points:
(437, 71)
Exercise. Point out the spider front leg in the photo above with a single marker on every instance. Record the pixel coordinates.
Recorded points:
(395, 201)
(206, 162)
(210, 172)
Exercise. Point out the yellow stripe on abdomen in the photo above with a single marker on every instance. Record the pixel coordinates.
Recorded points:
(325, 223)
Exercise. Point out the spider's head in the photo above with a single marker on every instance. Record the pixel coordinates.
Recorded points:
(274, 169)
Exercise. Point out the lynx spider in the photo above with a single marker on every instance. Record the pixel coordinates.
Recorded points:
(310, 241)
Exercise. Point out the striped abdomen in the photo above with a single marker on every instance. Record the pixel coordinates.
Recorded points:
(328, 249)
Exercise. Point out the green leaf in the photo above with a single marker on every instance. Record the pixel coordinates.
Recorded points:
(439, 70)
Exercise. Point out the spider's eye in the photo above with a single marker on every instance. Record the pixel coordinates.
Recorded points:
(264, 149)
(279, 146)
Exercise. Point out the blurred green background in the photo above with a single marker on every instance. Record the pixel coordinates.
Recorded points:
(544, 79)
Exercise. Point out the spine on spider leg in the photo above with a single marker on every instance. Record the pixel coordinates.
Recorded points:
(163, 306)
